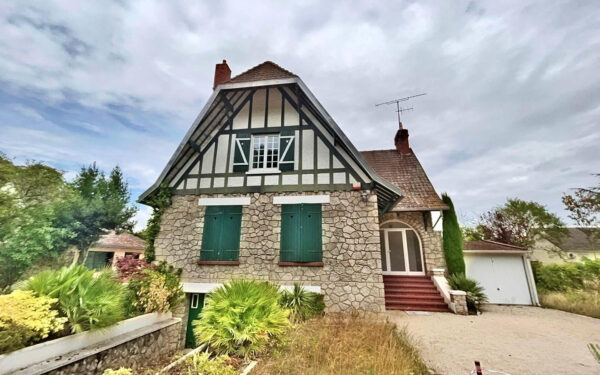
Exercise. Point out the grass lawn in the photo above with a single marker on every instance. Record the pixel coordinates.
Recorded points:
(577, 302)
(343, 345)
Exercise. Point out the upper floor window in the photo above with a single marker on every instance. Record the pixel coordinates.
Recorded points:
(265, 152)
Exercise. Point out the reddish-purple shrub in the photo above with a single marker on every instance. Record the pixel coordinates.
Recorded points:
(128, 266)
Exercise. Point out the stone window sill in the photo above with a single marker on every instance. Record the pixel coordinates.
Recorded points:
(300, 264)
(219, 262)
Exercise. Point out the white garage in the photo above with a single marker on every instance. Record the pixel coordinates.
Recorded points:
(503, 270)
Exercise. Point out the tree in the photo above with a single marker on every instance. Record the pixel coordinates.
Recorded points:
(102, 204)
(41, 215)
(30, 196)
(584, 208)
(520, 223)
(452, 238)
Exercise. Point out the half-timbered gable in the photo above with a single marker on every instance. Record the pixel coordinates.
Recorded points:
(268, 135)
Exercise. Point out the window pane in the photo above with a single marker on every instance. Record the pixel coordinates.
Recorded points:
(265, 151)
(396, 251)
(414, 252)
(272, 151)
(383, 252)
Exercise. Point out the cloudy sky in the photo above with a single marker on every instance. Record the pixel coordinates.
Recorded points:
(513, 88)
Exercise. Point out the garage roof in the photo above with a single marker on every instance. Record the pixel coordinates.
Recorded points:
(487, 245)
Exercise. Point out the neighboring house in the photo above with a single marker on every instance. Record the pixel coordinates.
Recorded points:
(267, 186)
(111, 246)
(573, 247)
(503, 270)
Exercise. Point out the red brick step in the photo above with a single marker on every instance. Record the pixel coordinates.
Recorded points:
(412, 293)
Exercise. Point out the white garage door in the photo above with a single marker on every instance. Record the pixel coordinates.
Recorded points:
(502, 276)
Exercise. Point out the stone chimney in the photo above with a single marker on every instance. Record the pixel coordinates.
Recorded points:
(222, 73)
(401, 141)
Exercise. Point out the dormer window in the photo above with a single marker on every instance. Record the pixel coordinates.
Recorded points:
(265, 152)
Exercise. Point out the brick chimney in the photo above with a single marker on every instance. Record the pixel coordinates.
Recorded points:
(222, 73)
(401, 141)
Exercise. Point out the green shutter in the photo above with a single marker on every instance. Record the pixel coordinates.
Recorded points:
(241, 155)
(221, 234)
(311, 233)
(286, 160)
(229, 247)
(290, 233)
(301, 233)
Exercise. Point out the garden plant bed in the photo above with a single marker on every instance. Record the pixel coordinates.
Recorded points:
(342, 344)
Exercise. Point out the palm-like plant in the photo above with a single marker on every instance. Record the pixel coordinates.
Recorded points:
(88, 301)
(241, 317)
(302, 304)
(475, 294)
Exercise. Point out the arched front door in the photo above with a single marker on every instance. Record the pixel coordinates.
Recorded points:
(401, 252)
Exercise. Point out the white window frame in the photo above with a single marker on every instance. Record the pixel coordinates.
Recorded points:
(388, 251)
(197, 299)
(264, 169)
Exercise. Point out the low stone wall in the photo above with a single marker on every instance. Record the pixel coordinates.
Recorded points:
(349, 279)
(136, 342)
(142, 351)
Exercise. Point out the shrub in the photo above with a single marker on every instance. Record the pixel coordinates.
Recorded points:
(155, 290)
(241, 317)
(88, 301)
(25, 319)
(129, 265)
(568, 276)
(475, 294)
(302, 304)
(202, 364)
(120, 371)
(452, 239)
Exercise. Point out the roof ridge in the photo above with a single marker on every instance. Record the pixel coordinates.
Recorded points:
(503, 244)
(267, 62)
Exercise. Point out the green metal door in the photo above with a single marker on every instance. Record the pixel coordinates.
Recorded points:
(196, 305)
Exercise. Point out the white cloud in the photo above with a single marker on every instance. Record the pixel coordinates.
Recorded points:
(513, 87)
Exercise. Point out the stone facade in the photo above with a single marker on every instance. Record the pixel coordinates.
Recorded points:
(459, 298)
(431, 241)
(142, 351)
(349, 279)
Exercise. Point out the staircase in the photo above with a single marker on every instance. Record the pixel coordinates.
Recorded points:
(412, 293)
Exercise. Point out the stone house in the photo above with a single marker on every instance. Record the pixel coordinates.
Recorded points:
(267, 186)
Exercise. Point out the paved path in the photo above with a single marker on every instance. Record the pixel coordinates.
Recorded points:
(515, 340)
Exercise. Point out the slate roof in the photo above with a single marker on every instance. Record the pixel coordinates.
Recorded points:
(262, 72)
(491, 246)
(124, 240)
(405, 171)
(577, 240)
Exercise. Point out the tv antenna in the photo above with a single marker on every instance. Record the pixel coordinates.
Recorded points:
(400, 110)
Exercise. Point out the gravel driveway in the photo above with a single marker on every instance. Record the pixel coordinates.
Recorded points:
(515, 340)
